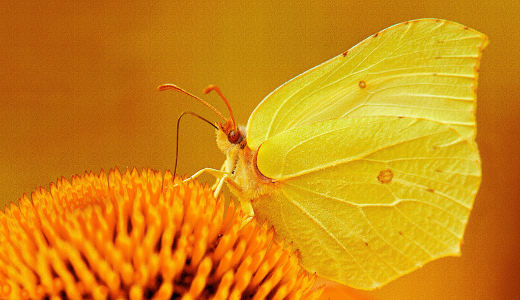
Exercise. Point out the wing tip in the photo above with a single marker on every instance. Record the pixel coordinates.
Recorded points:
(485, 39)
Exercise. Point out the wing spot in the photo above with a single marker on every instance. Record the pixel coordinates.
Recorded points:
(400, 232)
(375, 35)
(345, 53)
(362, 84)
(366, 244)
(466, 28)
(438, 170)
(430, 190)
(385, 176)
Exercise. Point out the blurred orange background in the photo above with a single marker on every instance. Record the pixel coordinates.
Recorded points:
(78, 92)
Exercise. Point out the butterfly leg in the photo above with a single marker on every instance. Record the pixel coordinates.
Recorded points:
(245, 204)
(217, 173)
(217, 181)
(247, 208)
(218, 185)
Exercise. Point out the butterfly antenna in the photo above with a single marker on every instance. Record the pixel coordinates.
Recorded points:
(177, 137)
(216, 89)
(170, 86)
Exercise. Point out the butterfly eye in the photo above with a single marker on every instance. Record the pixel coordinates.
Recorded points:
(234, 137)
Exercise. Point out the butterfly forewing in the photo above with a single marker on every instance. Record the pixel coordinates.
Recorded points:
(424, 68)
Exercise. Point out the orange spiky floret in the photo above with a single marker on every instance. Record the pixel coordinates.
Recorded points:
(140, 235)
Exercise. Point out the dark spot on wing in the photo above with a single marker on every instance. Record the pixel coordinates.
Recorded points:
(345, 53)
(362, 84)
(385, 176)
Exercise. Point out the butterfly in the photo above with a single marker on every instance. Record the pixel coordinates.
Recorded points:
(367, 163)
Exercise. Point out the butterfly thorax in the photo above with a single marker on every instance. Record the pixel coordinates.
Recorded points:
(247, 183)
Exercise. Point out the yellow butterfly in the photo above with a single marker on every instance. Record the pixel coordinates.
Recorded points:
(367, 163)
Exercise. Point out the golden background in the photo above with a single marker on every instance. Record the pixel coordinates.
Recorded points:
(78, 92)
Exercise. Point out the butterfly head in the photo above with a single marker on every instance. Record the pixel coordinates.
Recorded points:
(230, 136)
(233, 133)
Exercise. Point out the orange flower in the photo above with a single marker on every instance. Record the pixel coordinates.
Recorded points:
(140, 235)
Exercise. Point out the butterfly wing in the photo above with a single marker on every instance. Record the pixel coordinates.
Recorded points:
(367, 199)
(425, 68)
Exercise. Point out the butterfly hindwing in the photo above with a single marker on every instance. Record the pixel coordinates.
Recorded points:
(367, 199)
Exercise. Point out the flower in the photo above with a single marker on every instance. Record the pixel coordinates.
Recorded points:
(141, 235)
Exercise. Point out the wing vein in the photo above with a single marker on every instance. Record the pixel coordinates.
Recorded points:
(424, 188)
(399, 251)
(350, 159)
(421, 229)
(330, 234)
